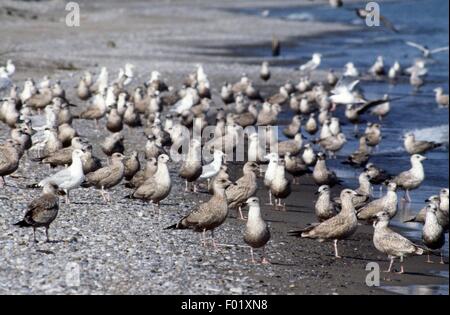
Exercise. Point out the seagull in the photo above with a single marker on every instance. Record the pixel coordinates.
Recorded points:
(426, 52)
(10, 68)
(69, 178)
(412, 178)
(311, 65)
(212, 169)
(363, 13)
(391, 243)
(42, 211)
(339, 227)
(257, 232)
(350, 70)
(441, 98)
(342, 92)
(413, 146)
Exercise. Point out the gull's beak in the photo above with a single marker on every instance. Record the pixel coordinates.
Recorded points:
(316, 193)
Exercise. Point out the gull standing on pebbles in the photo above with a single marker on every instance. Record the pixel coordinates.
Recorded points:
(212, 169)
(412, 146)
(69, 178)
(107, 177)
(42, 211)
(191, 169)
(270, 172)
(391, 243)
(9, 159)
(339, 227)
(156, 188)
(244, 188)
(413, 178)
(209, 215)
(280, 186)
(324, 206)
(387, 203)
(433, 234)
(257, 232)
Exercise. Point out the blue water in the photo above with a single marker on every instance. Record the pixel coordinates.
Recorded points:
(425, 22)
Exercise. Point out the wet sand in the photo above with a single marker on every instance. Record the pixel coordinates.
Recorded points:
(121, 248)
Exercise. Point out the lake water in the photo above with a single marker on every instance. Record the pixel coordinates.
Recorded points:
(425, 22)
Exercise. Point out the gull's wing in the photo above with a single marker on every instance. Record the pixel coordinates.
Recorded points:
(388, 24)
(415, 45)
(345, 84)
(437, 50)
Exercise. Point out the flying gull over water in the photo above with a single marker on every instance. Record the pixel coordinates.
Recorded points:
(426, 52)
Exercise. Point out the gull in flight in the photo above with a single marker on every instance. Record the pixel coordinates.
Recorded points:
(427, 52)
(343, 92)
(313, 64)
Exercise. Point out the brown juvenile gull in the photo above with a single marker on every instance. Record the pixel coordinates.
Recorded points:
(294, 127)
(413, 178)
(257, 232)
(339, 227)
(333, 144)
(69, 178)
(364, 190)
(107, 177)
(391, 243)
(321, 174)
(132, 165)
(433, 234)
(42, 211)
(311, 124)
(63, 157)
(90, 162)
(421, 215)
(244, 188)
(9, 159)
(97, 109)
(296, 167)
(66, 133)
(387, 203)
(156, 188)
(280, 186)
(191, 169)
(413, 146)
(153, 147)
(324, 206)
(114, 122)
(361, 156)
(113, 144)
(292, 146)
(373, 134)
(149, 170)
(208, 215)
